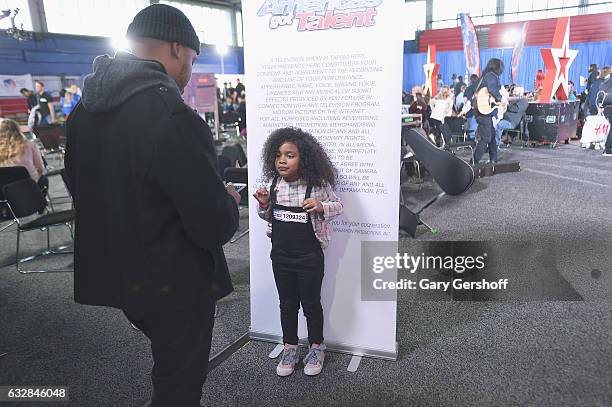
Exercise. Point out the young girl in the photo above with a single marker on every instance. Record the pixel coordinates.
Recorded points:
(299, 208)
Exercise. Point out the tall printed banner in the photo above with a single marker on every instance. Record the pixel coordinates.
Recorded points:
(201, 92)
(470, 45)
(333, 68)
(10, 84)
(518, 51)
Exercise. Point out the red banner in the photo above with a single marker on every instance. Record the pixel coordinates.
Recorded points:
(518, 51)
(470, 45)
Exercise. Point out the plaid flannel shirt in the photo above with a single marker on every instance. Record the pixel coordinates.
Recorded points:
(293, 194)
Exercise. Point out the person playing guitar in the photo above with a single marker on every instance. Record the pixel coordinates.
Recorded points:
(489, 86)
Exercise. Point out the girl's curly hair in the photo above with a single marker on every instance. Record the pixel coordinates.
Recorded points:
(315, 165)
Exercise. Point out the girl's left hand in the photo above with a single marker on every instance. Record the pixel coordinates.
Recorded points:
(312, 205)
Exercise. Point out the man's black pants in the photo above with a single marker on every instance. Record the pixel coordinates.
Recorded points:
(180, 342)
(440, 130)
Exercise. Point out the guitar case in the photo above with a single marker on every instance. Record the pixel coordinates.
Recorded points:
(451, 173)
(490, 169)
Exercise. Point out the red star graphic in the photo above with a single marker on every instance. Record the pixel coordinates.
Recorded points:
(563, 62)
(431, 72)
(558, 60)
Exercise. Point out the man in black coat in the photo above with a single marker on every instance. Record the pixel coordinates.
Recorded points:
(239, 87)
(152, 213)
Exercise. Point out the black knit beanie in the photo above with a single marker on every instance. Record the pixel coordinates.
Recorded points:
(164, 23)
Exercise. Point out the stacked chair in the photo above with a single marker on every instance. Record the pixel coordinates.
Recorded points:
(24, 198)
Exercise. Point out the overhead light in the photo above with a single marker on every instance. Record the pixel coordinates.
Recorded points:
(222, 49)
(511, 37)
(120, 42)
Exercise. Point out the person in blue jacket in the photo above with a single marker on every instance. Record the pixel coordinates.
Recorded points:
(68, 102)
(592, 96)
(490, 80)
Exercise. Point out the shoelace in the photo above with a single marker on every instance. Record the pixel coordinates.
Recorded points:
(313, 357)
(289, 356)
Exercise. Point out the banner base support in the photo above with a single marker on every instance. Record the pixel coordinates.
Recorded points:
(354, 364)
(276, 351)
(330, 346)
(228, 351)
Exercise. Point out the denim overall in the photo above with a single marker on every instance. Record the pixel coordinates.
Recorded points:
(298, 265)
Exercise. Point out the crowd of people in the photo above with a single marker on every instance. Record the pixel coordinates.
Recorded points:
(456, 100)
(41, 108)
(17, 149)
(232, 104)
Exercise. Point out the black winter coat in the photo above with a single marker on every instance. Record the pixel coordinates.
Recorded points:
(152, 213)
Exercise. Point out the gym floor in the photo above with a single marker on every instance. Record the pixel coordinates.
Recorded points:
(553, 218)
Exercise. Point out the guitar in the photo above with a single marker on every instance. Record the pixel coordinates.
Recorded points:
(486, 103)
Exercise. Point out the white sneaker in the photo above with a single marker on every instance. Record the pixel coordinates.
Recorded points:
(313, 362)
(290, 358)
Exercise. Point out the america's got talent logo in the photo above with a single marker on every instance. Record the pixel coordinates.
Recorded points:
(312, 15)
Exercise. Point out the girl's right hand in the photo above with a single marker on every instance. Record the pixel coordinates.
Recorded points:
(263, 196)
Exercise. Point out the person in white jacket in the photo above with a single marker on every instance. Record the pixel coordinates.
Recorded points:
(441, 107)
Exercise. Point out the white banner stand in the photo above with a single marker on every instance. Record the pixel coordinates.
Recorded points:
(333, 69)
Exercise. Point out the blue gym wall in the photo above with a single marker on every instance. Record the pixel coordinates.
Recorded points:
(451, 62)
(54, 54)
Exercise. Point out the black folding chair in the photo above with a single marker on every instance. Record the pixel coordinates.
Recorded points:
(408, 157)
(222, 163)
(232, 153)
(24, 199)
(229, 118)
(67, 182)
(242, 157)
(512, 134)
(52, 138)
(240, 178)
(9, 175)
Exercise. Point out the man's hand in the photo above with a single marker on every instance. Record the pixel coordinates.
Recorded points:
(312, 205)
(263, 197)
(232, 191)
